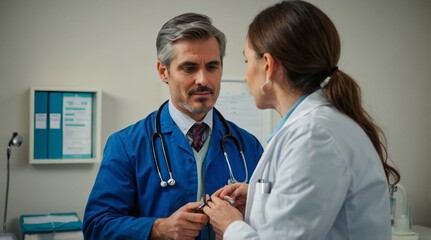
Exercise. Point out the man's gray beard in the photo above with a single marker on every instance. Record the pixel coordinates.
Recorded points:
(193, 110)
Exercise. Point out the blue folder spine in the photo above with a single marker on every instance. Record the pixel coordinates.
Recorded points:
(40, 125)
(55, 132)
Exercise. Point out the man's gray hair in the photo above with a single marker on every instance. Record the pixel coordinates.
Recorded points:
(191, 26)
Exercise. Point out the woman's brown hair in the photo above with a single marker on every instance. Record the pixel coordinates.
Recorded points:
(306, 43)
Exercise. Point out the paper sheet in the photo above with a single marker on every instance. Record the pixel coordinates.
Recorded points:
(50, 218)
(237, 105)
(77, 123)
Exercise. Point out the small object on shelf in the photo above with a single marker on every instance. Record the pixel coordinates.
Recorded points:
(401, 226)
(51, 226)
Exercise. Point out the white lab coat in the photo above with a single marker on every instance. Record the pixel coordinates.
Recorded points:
(327, 181)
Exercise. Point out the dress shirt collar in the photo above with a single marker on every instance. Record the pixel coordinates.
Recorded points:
(185, 122)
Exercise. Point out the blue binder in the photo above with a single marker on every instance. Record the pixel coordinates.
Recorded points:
(40, 125)
(55, 132)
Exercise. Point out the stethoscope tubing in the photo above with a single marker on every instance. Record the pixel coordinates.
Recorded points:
(157, 134)
(228, 135)
(226, 156)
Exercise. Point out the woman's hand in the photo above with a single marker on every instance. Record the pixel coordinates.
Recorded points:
(237, 192)
(221, 214)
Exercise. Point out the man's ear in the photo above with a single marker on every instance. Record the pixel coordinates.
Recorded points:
(162, 71)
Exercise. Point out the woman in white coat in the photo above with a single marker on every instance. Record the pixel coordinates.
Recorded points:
(324, 172)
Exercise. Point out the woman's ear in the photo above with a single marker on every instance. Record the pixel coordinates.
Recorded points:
(162, 71)
(270, 65)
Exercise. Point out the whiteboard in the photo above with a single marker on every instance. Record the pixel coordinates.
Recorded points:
(237, 105)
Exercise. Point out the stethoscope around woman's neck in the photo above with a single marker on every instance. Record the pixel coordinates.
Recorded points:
(227, 136)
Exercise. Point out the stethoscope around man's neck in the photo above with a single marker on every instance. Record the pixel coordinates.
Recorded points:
(227, 136)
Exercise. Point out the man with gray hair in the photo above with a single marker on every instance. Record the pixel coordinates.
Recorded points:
(155, 173)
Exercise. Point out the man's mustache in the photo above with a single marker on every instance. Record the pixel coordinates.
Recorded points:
(201, 89)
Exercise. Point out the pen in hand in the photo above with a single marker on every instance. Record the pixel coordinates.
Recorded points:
(229, 200)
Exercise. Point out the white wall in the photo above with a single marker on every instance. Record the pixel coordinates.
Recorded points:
(111, 45)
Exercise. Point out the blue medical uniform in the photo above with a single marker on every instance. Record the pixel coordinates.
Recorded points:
(127, 197)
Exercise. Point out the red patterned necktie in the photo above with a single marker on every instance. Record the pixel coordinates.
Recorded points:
(199, 133)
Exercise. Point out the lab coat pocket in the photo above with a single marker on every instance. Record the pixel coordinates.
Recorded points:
(257, 213)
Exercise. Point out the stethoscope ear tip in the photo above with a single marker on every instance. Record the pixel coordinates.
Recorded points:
(164, 184)
(171, 182)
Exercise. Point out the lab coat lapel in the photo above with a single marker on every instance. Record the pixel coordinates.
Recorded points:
(171, 133)
(214, 149)
(310, 103)
(259, 172)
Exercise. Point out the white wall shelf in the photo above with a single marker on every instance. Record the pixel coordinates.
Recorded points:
(93, 152)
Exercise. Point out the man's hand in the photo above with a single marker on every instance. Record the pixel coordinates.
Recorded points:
(182, 224)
